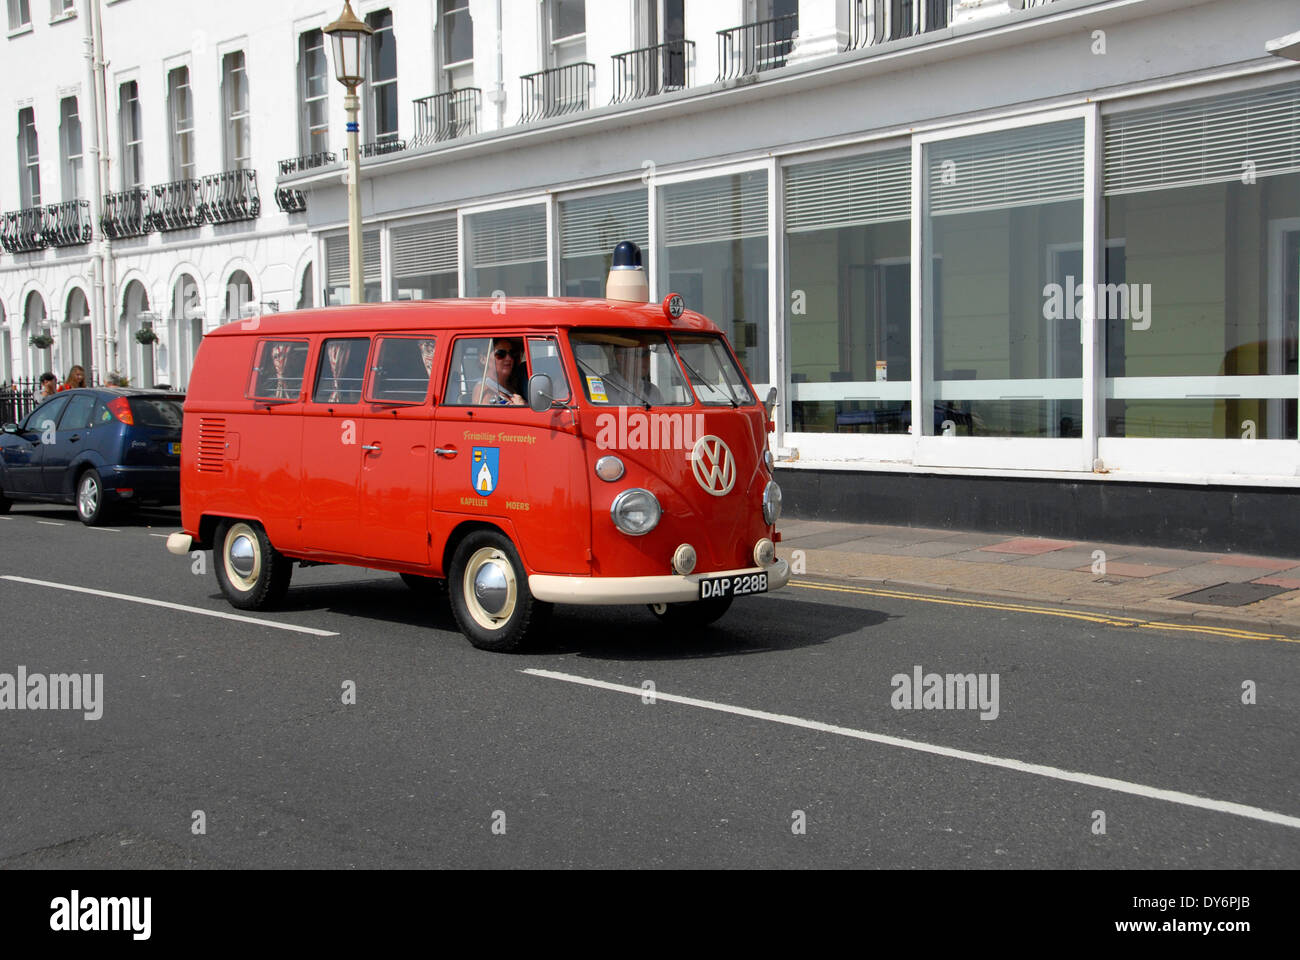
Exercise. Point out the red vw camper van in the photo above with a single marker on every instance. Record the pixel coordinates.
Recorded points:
(528, 451)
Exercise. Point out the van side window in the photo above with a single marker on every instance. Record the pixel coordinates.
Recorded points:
(544, 357)
(278, 367)
(487, 371)
(342, 371)
(402, 369)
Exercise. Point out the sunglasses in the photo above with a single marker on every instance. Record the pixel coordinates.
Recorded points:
(502, 354)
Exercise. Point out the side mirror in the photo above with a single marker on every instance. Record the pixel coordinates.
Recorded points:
(770, 403)
(539, 392)
(10, 428)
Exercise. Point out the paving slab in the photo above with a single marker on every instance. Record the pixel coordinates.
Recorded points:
(1129, 569)
(1272, 564)
(984, 556)
(1060, 560)
(1030, 546)
(1208, 574)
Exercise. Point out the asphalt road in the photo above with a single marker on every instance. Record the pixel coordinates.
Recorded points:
(780, 717)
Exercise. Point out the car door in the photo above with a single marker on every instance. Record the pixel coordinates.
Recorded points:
(70, 438)
(24, 454)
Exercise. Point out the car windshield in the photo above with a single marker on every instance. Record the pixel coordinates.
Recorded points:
(628, 368)
(156, 412)
(714, 374)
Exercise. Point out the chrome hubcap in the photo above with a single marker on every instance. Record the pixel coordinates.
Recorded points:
(490, 588)
(242, 557)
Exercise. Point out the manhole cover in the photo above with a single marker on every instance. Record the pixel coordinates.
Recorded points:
(1232, 594)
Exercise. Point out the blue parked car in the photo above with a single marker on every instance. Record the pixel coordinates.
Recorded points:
(96, 448)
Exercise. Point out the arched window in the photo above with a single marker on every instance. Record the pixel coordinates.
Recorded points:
(186, 325)
(305, 296)
(138, 357)
(239, 296)
(78, 343)
(34, 323)
(6, 348)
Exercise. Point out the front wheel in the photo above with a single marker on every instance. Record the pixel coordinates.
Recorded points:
(489, 594)
(91, 509)
(699, 613)
(251, 573)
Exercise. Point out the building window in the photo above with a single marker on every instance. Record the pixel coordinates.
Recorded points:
(20, 14)
(337, 276)
(507, 252)
(714, 253)
(425, 261)
(566, 25)
(29, 162)
(62, 8)
(313, 83)
(1202, 292)
(128, 116)
(590, 228)
(457, 32)
(234, 94)
(383, 76)
(181, 107)
(848, 281)
(1002, 211)
(70, 147)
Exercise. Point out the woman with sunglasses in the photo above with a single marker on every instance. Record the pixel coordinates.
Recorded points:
(497, 386)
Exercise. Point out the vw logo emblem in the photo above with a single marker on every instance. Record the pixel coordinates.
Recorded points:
(713, 465)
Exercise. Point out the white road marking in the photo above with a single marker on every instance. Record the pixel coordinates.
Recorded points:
(1038, 769)
(49, 523)
(105, 530)
(175, 606)
(162, 535)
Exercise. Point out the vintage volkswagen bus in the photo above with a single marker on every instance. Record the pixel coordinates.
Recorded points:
(528, 451)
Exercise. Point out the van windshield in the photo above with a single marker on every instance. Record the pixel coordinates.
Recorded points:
(629, 368)
(713, 372)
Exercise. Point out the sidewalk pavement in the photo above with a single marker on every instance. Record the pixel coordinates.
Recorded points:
(1118, 578)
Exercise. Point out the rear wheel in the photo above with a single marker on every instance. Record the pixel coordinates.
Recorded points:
(91, 509)
(699, 613)
(252, 574)
(490, 596)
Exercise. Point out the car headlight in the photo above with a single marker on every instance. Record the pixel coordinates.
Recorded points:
(769, 460)
(636, 512)
(771, 502)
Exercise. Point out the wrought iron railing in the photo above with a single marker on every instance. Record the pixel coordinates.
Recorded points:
(379, 148)
(127, 214)
(554, 92)
(306, 162)
(290, 200)
(23, 231)
(177, 205)
(231, 196)
(68, 224)
(647, 71)
(755, 47)
(445, 116)
(879, 21)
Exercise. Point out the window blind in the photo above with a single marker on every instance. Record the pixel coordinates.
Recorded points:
(1012, 168)
(425, 248)
(595, 225)
(849, 192)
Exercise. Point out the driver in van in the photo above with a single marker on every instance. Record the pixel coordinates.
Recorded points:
(498, 384)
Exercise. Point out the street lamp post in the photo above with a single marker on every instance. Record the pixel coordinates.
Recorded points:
(350, 37)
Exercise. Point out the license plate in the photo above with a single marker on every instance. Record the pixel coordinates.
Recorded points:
(735, 585)
(174, 448)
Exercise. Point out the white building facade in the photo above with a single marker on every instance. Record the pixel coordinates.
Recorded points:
(1068, 233)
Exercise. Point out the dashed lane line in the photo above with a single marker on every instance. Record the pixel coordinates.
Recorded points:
(168, 605)
(1006, 763)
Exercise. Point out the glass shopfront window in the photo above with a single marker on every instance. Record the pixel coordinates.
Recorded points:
(1203, 216)
(1003, 229)
(590, 228)
(507, 252)
(714, 253)
(849, 293)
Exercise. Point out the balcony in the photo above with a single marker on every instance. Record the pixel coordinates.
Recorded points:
(23, 231)
(177, 205)
(755, 47)
(446, 116)
(290, 200)
(306, 162)
(648, 71)
(879, 21)
(68, 224)
(555, 92)
(126, 214)
(379, 148)
(231, 196)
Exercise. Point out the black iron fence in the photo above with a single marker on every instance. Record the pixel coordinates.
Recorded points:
(445, 116)
(126, 214)
(56, 225)
(309, 161)
(554, 92)
(755, 47)
(177, 205)
(647, 71)
(379, 148)
(231, 196)
(879, 21)
(22, 231)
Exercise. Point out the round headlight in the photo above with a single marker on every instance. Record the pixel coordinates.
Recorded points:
(769, 460)
(609, 468)
(771, 502)
(635, 512)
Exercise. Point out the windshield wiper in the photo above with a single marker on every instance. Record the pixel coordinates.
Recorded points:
(735, 401)
(613, 378)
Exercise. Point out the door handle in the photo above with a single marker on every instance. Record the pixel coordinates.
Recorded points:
(445, 451)
(74, 438)
(370, 446)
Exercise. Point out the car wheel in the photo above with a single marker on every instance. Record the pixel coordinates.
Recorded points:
(699, 613)
(490, 596)
(91, 508)
(252, 574)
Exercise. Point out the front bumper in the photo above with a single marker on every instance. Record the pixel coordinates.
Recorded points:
(602, 591)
